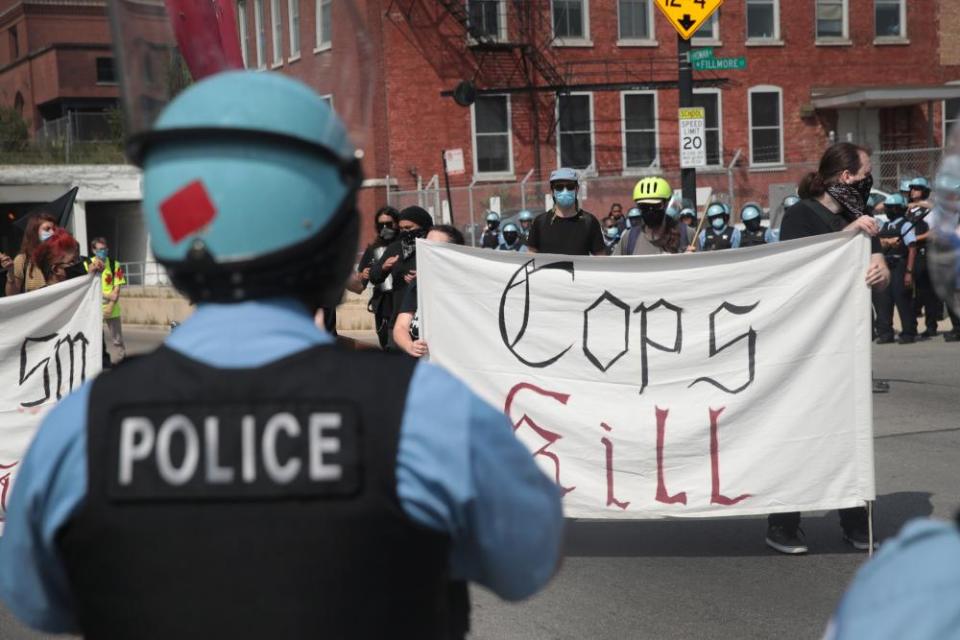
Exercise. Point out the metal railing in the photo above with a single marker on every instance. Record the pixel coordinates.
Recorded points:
(146, 274)
(76, 138)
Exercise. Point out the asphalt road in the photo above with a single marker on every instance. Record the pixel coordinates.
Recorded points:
(715, 578)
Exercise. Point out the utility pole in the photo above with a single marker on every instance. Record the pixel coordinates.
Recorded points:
(688, 177)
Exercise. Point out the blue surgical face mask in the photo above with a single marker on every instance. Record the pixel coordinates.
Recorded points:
(101, 253)
(564, 198)
(718, 223)
(45, 235)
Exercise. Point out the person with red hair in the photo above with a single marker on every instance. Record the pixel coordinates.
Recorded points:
(24, 275)
(55, 256)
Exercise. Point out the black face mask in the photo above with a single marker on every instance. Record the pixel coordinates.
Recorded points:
(387, 234)
(493, 225)
(752, 225)
(75, 270)
(653, 216)
(410, 235)
(510, 237)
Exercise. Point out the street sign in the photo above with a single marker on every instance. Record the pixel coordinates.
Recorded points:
(693, 144)
(706, 53)
(687, 16)
(720, 64)
(454, 161)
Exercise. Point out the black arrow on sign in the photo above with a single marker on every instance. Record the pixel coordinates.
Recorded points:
(687, 22)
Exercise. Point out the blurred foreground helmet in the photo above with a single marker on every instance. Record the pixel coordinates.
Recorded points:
(250, 178)
(943, 245)
(652, 190)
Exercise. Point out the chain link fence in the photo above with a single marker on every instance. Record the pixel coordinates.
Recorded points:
(76, 138)
(735, 185)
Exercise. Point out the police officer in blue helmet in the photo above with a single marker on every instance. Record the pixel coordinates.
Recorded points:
(512, 238)
(250, 479)
(525, 219)
(490, 238)
(634, 218)
(754, 232)
(719, 234)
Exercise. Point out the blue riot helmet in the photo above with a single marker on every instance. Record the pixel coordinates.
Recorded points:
(511, 234)
(634, 218)
(688, 216)
(919, 184)
(526, 217)
(249, 178)
(895, 205)
(493, 219)
(751, 214)
(874, 199)
(789, 201)
(718, 214)
(905, 186)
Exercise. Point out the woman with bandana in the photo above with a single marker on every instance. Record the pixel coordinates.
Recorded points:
(833, 198)
(381, 302)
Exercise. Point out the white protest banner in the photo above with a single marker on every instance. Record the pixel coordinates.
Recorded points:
(701, 385)
(50, 343)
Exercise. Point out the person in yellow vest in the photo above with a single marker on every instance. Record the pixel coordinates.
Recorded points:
(111, 279)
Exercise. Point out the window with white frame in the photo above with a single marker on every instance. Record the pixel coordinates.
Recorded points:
(766, 125)
(575, 130)
(570, 19)
(763, 19)
(709, 99)
(951, 116)
(891, 18)
(639, 129)
(293, 16)
(493, 148)
(276, 31)
(831, 19)
(636, 19)
(709, 30)
(242, 29)
(324, 24)
(261, 35)
(328, 98)
(487, 18)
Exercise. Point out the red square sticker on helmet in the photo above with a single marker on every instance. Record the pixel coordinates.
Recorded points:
(187, 211)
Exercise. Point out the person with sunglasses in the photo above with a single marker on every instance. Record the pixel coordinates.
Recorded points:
(381, 302)
(566, 228)
(658, 232)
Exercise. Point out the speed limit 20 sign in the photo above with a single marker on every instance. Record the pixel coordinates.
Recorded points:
(693, 143)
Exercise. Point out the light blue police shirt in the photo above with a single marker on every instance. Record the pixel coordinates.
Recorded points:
(460, 470)
(910, 589)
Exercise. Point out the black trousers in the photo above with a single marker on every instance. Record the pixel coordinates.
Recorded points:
(852, 519)
(927, 298)
(896, 295)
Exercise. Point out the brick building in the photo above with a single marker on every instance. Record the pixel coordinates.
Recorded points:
(55, 58)
(593, 84)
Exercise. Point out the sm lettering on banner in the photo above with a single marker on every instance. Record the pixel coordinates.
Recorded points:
(50, 344)
(700, 385)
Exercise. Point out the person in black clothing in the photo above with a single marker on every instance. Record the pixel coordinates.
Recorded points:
(897, 240)
(490, 238)
(833, 198)
(381, 302)
(399, 260)
(566, 229)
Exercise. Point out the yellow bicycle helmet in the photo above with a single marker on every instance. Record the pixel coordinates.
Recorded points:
(652, 190)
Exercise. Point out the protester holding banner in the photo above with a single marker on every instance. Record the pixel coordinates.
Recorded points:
(406, 330)
(833, 198)
(566, 228)
(25, 276)
(659, 232)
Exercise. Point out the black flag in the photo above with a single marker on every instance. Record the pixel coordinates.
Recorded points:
(61, 209)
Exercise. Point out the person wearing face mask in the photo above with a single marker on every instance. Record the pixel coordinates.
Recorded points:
(381, 302)
(652, 230)
(512, 239)
(688, 216)
(111, 280)
(566, 228)
(896, 237)
(926, 303)
(611, 237)
(526, 219)
(719, 235)
(23, 274)
(754, 232)
(399, 260)
(833, 198)
(616, 212)
(490, 238)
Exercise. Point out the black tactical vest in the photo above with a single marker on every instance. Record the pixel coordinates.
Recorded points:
(715, 240)
(753, 238)
(259, 503)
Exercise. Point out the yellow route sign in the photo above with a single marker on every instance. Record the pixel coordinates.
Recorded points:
(687, 16)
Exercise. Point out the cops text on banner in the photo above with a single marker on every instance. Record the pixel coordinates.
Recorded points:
(50, 343)
(700, 385)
